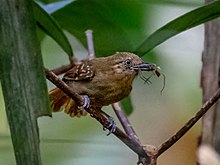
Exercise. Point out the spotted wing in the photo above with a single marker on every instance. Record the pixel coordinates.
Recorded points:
(80, 72)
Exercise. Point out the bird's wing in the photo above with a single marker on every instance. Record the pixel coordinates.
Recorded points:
(84, 71)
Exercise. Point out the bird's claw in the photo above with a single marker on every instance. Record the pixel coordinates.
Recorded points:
(111, 127)
(86, 102)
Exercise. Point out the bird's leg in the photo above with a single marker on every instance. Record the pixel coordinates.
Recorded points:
(112, 125)
(86, 102)
(106, 120)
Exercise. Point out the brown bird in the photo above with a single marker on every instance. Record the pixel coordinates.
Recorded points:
(104, 80)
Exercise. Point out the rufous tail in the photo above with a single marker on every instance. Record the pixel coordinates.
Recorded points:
(60, 101)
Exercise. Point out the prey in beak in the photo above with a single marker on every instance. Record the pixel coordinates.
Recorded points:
(150, 68)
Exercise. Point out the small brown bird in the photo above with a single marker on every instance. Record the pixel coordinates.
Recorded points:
(104, 80)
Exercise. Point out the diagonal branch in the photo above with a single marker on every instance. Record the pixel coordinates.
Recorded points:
(208, 104)
(98, 115)
(125, 122)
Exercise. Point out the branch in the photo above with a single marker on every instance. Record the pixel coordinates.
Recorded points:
(103, 118)
(97, 114)
(132, 134)
(208, 104)
(125, 122)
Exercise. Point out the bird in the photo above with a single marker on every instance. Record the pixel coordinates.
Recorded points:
(103, 81)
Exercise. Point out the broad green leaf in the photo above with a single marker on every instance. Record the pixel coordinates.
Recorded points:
(116, 25)
(182, 23)
(51, 28)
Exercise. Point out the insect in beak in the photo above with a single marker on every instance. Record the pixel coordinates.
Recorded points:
(150, 67)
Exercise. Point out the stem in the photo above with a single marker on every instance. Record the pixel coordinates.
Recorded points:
(90, 44)
(208, 104)
(125, 122)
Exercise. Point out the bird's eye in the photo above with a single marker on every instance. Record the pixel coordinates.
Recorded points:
(128, 62)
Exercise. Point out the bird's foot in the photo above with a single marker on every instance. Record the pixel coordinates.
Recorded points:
(86, 102)
(111, 127)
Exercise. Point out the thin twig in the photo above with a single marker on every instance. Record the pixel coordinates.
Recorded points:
(129, 131)
(208, 104)
(125, 122)
(90, 44)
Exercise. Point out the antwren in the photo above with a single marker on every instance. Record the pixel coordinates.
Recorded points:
(104, 81)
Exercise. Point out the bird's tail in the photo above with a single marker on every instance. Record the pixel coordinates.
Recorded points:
(59, 101)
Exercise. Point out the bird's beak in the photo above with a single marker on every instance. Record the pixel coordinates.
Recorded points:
(144, 67)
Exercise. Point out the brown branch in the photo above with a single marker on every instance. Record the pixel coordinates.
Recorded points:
(97, 114)
(208, 104)
(131, 133)
(125, 122)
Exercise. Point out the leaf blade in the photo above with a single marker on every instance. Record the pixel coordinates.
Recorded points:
(180, 24)
(51, 28)
(116, 25)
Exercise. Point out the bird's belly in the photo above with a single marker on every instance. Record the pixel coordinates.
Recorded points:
(102, 94)
(111, 95)
(111, 92)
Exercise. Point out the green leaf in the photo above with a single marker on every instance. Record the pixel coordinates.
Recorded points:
(127, 105)
(116, 25)
(51, 28)
(182, 23)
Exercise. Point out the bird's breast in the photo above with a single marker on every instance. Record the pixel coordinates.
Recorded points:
(111, 89)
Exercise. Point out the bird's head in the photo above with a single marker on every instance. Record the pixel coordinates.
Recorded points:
(130, 64)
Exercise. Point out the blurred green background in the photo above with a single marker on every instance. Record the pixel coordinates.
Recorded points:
(156, 117)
